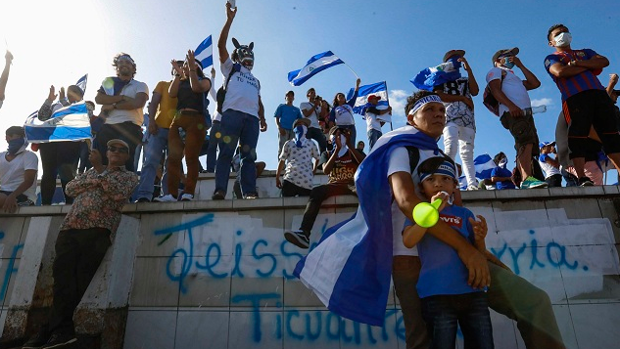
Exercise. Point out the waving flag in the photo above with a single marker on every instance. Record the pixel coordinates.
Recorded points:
(484, 166)
(81, 83)
(428, 78)
(361, 104)
(70, 123)
(315, 65)
(204, 53)
(351, 267)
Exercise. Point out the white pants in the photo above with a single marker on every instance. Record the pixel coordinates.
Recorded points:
(465, 137)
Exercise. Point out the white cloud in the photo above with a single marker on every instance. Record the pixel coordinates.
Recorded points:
(542, 101)
(398, 101)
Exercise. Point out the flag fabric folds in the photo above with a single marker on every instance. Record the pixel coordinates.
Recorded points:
(315, 65)
(204, 52)
(484, 165)
(81, 83)
(428, 78)
(361, 103)
(70, 123)
(351, 267)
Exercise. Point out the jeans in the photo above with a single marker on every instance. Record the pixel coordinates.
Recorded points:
(509, 295)
(283, 138)
(463, 137)
(353, 131)
(194, 125)
(214, 139)
(237, 128)
(318, 136)
(317, 196)
(153, 152)
(58, 159)
(373, 135)
(84, 162)
(554, 181)
(289, 189)
(78, 256)
(127, 131)
(471, 310)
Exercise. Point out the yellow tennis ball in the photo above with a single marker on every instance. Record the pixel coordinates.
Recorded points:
(425, 215)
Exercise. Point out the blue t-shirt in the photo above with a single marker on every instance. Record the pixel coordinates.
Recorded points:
(287, 115)
(502, 172)
(443, 272)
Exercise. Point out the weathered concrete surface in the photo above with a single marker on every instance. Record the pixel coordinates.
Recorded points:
(210, 274)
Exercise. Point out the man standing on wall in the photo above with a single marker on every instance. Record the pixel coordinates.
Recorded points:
(100, 194)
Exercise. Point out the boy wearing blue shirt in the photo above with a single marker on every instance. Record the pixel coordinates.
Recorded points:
(442, 286)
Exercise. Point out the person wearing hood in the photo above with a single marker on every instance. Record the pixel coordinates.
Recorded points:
(18, 172)
(501, 177)
(297, 155)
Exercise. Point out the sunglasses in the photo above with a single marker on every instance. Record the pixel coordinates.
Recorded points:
(114, 149)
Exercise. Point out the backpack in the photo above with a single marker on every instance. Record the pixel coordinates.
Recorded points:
(221, 92)
(489, 100)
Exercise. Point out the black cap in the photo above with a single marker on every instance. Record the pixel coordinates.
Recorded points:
(15, 130)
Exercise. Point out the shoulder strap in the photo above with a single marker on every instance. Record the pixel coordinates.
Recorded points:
(235, 68)
(414, 157)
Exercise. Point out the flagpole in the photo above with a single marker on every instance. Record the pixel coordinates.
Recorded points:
(387, 92)
(353, 71)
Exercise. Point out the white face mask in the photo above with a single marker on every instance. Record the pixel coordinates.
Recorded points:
(503, 162)
(563, 39)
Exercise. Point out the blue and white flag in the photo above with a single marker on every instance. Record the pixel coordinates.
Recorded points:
(70, 123)
(361, 103)
(81, 83)
(351, 267)
(204, 52)
(484, 165)
(430, 77)
(315, 65)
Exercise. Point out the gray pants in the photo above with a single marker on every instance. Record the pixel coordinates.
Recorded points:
(509, 295)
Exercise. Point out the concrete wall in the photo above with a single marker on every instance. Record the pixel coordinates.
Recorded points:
(207, 274)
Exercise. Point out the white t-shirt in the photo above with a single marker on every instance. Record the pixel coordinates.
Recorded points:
(116, 116)
(299, 162)
(314, 120)
(399, 162)
(372, 122)
(243, 90)
(513, 88)
(549, 169)
(12, 172)
(344, 115)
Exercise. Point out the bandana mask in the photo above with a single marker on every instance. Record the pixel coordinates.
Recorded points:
(502, 163)
(343, 142)
(15, 145)
(300, 134)
(508, 64)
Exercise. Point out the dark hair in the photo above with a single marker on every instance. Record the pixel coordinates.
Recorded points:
(123, 54)
(290, 93)
(15, 130)
(554, 27)
(431, 165)
(76, 89)
(335, 103)
(498, 156)
(411, 100)
(310, 89)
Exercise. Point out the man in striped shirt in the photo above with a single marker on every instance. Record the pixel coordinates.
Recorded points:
(585, 103)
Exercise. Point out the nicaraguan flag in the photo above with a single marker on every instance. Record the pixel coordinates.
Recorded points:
(70, 123)
(428, 78)
(361, 103)
(484, 166)
(351, 267)
(81, 83)
(204, 52)
(315, 65)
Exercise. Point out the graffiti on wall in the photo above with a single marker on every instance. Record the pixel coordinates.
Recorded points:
(10, 269)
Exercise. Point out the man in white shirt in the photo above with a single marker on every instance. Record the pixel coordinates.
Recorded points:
(511, 93)
(123, 99)
(311, 110)
(18, 172)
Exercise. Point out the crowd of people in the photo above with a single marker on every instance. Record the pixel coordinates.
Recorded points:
(315, 136)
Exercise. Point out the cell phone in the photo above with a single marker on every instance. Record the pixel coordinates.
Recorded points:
(232, 3)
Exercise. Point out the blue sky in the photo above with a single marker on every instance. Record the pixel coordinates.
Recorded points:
(389, 40)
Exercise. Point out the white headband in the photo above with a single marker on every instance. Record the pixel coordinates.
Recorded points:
(422, 101)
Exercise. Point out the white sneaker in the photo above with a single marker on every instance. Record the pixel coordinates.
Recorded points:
(166, 198)
(187, 197)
